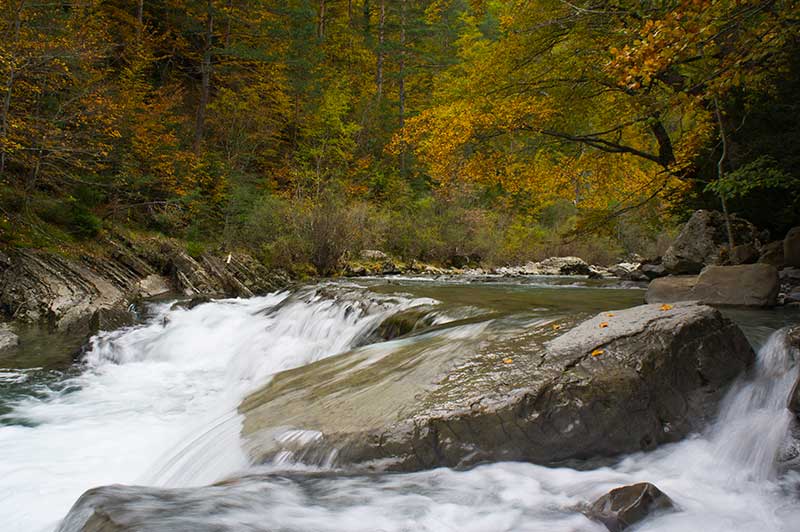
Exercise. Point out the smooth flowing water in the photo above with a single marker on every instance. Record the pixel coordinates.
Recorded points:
(155, 405)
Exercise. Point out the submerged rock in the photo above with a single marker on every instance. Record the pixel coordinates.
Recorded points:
(751, 285)
(625, 506)
(620, 382)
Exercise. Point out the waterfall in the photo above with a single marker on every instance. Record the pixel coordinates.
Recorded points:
(754, 423)
(156, 404)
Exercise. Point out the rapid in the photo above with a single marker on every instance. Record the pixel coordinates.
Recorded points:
(156, 405)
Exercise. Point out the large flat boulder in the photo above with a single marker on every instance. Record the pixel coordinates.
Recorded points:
(750, 285)
(703, 241)
(620, 382)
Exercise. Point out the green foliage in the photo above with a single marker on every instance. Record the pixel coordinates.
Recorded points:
(431, 129)
(195, 249)
(762, 173)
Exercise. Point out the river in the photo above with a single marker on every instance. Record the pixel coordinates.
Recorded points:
(155, 405)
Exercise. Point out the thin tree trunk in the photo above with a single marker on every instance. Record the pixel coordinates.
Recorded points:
(296, 129)
(402, 82)
(36, 169)
(4, 123)
(9, 88)
(228, 17)
(721, 172)
(139, 22)
(205, 84)
(321, 24)
(381, 27)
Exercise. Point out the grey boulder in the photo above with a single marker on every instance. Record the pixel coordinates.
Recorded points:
(703, 241)
(617, 383)
(750, 285)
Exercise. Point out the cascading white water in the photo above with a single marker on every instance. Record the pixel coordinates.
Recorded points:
(172, 384)
(754, 422)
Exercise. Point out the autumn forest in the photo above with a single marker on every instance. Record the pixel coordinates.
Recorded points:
(304, 130)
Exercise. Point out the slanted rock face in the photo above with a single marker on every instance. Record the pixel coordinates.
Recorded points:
(87, 293)
(703, 241)
(620, 382)
(751, 285)
(39, 286)
(623, 507)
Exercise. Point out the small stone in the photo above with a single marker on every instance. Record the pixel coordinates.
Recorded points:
(625, 506)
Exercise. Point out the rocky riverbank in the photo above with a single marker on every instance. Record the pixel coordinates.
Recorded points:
(81, 293)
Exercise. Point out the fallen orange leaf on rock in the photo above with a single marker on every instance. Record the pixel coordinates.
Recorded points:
(610, 314)
(556, 326)
(604, 325)
(597, 352)
(666, 307)
(508, 360)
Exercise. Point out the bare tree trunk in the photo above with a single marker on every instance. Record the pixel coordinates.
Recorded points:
(721, 172)
(228, 17)
(296, 129)
(4, 122)
(34, 176)
(381, 28)
(205, 83)
(321, 24)
(402, 82)
(9, 87)
(139, 22)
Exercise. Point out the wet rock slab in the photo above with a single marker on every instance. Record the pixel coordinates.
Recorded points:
(620, 382)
